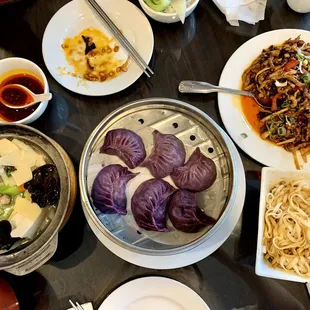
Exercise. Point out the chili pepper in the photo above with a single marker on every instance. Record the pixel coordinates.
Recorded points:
(291, 64)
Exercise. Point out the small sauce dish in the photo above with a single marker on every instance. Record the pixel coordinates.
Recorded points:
(24, 72)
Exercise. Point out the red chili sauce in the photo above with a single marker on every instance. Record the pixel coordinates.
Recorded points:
(29, 81)
(15, 96)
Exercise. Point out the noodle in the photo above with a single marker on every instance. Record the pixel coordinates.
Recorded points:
(286, 239)
(280, 78)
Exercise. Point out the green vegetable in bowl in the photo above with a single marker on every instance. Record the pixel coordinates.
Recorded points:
(9, 190)
(158, 5)
(5, 211)
(8, 170)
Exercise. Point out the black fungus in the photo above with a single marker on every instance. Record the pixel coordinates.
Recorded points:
(44, 186)
(89, 44)
(6, 241)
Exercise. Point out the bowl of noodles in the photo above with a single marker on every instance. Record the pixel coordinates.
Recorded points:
(283, 242)
(275, 67)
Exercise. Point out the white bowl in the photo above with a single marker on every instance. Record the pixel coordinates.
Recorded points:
(271, 176)
(15, 63)
(167, 18)
(299, 6)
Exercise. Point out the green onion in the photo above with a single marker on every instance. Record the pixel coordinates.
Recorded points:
(281, 131)
(306, 78)
(292, 119)
(271, 128)
(285, 104)
(300, 57)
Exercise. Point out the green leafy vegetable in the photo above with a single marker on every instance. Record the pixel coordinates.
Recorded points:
(5, 212)
(158, 5)
(9, 190)
(306, 78)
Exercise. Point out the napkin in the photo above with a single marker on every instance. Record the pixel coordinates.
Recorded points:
(87, 306)
(249, 11)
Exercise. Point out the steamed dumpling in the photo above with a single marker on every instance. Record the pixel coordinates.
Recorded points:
(108, 191)
(198, 174)
(125, 144)
(168, 153)
(185, 214)
(149, 204)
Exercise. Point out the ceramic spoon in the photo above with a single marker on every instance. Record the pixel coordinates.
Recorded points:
(17, 96)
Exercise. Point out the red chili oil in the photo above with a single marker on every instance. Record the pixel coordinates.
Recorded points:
(29, 81)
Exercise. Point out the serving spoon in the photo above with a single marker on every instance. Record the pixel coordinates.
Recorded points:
(16, 96)
(206, 88)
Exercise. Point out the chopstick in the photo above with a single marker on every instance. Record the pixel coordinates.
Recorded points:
(121, 38)
(77, 306)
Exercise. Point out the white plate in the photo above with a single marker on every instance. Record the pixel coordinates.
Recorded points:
(75, 16)
(201, 251)
(270, 177)
(153, 293)
(230, 105)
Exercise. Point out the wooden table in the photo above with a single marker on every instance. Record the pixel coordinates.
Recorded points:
(82, 268)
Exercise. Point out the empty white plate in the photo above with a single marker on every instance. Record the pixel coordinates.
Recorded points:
(153, 293)
(76, 16)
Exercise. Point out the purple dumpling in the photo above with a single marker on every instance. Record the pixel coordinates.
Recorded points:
(125, 144)
(168, 153)
(109, 189)
(198, 174)
(149, 204)
(184, 213)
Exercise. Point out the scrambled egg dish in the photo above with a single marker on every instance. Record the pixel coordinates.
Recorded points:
(93, 56)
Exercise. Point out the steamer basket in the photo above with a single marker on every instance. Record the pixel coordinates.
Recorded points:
(194, 129)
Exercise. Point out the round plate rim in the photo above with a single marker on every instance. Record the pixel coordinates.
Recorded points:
(146, 281)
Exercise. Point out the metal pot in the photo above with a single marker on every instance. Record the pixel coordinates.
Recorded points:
(23, 260)
(194, 128)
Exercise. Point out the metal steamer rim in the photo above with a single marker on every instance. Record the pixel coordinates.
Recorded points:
(194, 128)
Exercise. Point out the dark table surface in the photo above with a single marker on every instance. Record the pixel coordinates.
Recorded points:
(82, 268)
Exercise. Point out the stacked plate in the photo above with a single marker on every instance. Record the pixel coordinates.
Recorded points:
(223, 201)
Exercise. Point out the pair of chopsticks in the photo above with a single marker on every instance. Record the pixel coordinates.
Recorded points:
(121, 38)
(77, 306)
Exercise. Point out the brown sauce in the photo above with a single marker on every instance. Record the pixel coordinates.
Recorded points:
(29, 81)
